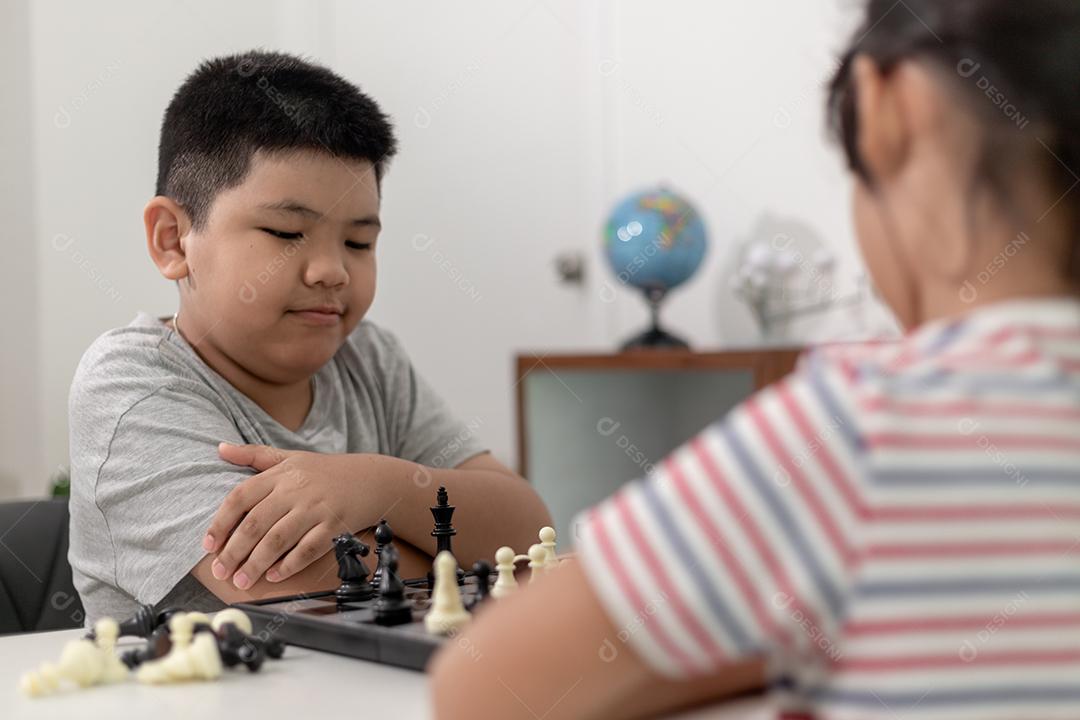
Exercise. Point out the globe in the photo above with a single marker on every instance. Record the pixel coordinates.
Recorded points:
(654, 241)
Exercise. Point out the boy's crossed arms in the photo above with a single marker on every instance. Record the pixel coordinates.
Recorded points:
(272, 534)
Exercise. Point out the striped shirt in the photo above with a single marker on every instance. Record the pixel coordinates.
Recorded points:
(895, 527)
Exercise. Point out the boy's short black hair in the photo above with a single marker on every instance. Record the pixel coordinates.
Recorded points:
(232, 106)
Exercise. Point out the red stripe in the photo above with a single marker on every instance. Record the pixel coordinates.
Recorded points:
(764, 550)
(890, 551)
(824, 456)
(674, 594)
(931, 513)
(904, 626)
(924, 662)
(596, 523)
(817, 508)
(956, 441)
(712, 531)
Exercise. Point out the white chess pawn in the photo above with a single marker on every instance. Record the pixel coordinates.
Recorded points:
(547, 539)
(538, 556)
(204, 658)
(106, 631)
(232, 616)
(170, 667)
(505, 583)
(447, 613)
(80, 662)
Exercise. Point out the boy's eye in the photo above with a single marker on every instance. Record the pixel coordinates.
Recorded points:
(283, 235)
(357, 245)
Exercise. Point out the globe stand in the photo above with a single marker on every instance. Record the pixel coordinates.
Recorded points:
(655, 338)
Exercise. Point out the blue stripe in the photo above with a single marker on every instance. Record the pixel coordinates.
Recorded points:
(815, 374)
(785, 520)
(684, 553)
(899, 702)
(949, 334)
(993, 476)
(967, 381)
(988, 585)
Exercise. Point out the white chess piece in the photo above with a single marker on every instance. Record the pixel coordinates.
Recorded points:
(234, 616)
(190, 658)
(538, 556)
(505, 583)
(80, 662)
(447, 613)
(169, 668)
(106, 631)
(547, 539)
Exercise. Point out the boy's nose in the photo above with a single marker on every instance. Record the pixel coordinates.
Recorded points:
(325, 268)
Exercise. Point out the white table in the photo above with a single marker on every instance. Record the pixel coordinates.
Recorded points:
(304, 685)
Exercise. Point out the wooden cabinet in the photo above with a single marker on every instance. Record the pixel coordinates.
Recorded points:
(589, 423)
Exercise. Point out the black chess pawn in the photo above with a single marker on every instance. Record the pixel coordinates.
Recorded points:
(391, 608)
(237, 648)
(351, 569)
(383, 536)
(274, 647)
(482, 571)
(443, 512)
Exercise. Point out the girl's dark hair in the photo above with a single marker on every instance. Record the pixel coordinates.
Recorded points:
(1015, 63)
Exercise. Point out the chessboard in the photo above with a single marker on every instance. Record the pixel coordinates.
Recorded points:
(322, 622)
(387, 619)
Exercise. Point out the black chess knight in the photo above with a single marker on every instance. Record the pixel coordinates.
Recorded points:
(351, 569)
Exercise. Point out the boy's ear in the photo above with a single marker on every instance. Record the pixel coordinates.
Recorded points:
(166, 226)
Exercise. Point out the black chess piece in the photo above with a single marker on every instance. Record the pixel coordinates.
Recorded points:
(391, 608)
(383, 536)
(145, 620)
(351, 569)
(482, 571)
(443, 512)
(237, 648)
(157, 645)
(275, 648)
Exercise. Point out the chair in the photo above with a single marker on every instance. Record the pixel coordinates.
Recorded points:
(36, 590)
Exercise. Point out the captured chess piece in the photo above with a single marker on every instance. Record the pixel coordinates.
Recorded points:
(505, 582)
(157, 646)
(447, 614)
(443, 512)
(391, 608)
(235, 643)
(83, 662)
(348, 552)
(383, 536)
(106, 631)
(482, 572)
(193, 656)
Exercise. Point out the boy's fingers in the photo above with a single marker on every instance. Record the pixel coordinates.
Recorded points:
(244, 538)
(239, 501)
(260, 457)
(315, 543)
(278, 540)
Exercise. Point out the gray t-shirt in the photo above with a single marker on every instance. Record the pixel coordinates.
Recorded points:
(146, 416)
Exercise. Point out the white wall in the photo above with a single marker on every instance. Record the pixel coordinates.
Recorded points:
(521, 122)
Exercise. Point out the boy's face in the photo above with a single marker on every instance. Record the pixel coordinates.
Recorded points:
(296, 237)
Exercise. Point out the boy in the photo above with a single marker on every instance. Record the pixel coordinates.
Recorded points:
(893, 531)
(267, 216)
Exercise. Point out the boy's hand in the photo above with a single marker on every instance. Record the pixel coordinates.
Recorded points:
(294, 507)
